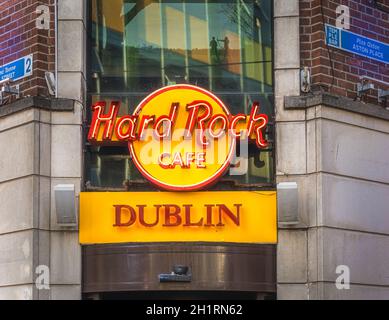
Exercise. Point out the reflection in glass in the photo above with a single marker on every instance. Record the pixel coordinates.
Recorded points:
(140, 46)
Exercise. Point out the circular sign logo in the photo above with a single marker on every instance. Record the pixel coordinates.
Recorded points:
(183, 142)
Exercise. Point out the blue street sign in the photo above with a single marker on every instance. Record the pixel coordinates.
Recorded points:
(17, 69)
(357, 44)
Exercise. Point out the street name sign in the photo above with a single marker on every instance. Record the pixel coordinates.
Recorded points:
(17, 69)
(354, 43)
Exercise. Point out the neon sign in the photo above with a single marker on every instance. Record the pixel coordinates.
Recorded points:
(180, 137)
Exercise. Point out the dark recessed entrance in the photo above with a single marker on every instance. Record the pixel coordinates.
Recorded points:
(179, 295)
(153, 271)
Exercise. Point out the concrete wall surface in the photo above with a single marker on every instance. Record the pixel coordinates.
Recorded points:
(30, 239)
(339, 159)
(338, 153)
(41, 147)
(342, 170)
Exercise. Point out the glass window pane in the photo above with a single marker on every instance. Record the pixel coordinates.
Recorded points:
(140, 46)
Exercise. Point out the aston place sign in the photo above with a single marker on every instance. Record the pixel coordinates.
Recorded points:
(355, 43)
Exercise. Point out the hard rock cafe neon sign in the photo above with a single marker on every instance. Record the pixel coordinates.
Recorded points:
(180, 137)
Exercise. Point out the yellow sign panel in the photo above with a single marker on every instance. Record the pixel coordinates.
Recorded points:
(237, 217)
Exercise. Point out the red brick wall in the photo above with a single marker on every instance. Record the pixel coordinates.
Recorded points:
(347, 69)
(20, 37)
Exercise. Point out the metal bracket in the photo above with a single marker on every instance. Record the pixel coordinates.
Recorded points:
(171, 277)
(180, 273)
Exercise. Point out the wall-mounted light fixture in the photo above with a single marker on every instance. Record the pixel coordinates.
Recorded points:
(287, 203)
(65, 205)
(51, 83)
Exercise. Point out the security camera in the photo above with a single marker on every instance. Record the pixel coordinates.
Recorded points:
(50, 82)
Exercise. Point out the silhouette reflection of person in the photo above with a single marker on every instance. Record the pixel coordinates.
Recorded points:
(214, 52)
(226, 47)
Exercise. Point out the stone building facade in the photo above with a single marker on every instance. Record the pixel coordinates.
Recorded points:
(333, 145)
